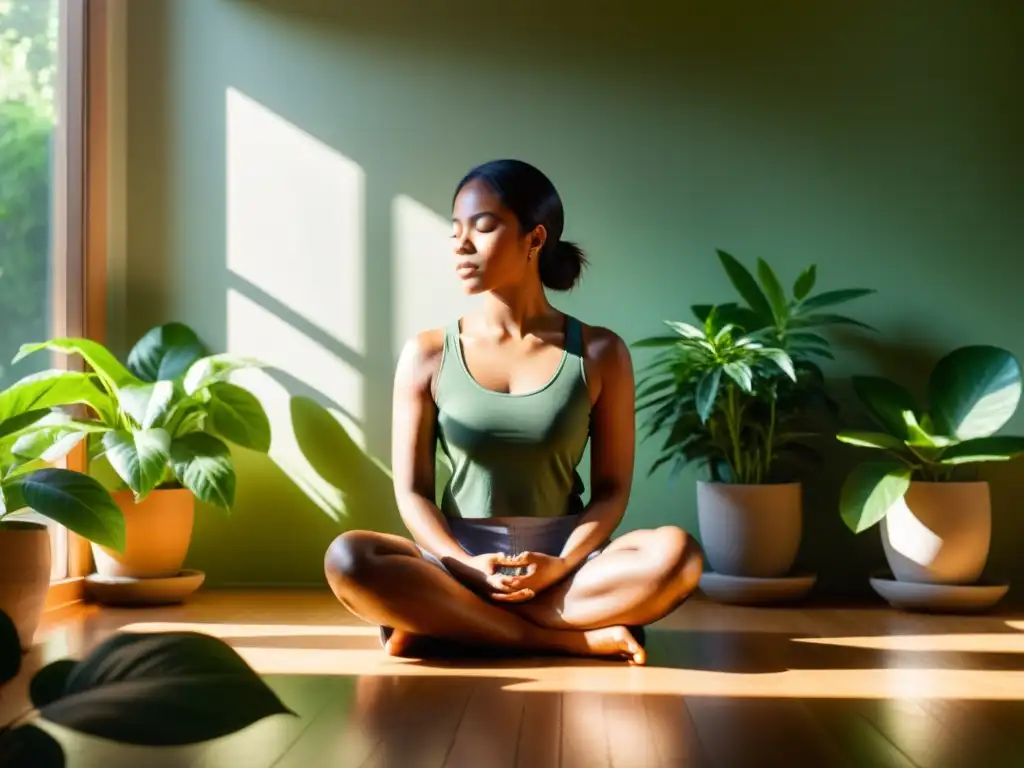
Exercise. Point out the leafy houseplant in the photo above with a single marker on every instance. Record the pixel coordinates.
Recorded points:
(935, 514)
(31, 487)
(161, 423)
(738, 398)
(156, 689)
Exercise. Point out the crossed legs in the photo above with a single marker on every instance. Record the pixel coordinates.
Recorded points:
(637, 579)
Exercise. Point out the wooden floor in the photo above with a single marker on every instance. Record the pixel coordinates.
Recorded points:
(726, 686)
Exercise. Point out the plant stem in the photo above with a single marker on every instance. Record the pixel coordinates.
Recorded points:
(732, 421)
(770, 443)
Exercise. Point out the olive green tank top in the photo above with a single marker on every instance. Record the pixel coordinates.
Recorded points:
(513, 455)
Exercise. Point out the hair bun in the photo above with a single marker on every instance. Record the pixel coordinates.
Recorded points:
(561, 264)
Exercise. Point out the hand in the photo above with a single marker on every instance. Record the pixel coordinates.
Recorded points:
(541, 572)
(480, 574)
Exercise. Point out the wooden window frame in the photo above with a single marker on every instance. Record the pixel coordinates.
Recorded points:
(81, 216)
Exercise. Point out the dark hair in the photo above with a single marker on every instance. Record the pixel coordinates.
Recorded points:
(531, 196)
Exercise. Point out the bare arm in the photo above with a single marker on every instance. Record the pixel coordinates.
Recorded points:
(612, 447)
(413, 444)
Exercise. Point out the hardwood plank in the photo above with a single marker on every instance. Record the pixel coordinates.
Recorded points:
(675, 735)
(739, 732)
(846, 726)
(992, 732)
(540, 731)
(488, 734)
(584, 731)
(632, 734)
(415, 720)
(859, 685)
(334, 736)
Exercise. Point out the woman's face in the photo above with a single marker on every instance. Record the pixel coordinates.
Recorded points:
(490, 252)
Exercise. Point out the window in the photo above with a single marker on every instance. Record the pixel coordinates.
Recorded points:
(43, 197)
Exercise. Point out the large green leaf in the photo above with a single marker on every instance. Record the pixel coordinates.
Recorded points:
(974, 391)
(139, 457)
(703, 311)
(773, 290)
(809, 338)
(215, 368)
(158, 689)
(202, 463)
(814, 321)
(51, 438)
(148, 403)
(805, 282)
(746, 286)
(871, 440)
(165, 352)
(656, 341)
(42, 391)
(919, 434)
(707, 391)
(236, 414)
(781, 359)
(17, 424)
(95, 354)
(72, 499)
(870, 491)
(886, 402)
(831, 298)
(740, 373)
(685, 330)
(996, 448)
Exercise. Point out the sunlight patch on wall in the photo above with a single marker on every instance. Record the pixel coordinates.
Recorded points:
(254, 331)
(426, 289)
(295, 219)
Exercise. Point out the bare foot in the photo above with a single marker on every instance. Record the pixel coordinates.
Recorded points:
(615, 641)
(399, 643)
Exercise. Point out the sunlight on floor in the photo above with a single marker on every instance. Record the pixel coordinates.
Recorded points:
(293, 649)
(977, 642)
(252, 630)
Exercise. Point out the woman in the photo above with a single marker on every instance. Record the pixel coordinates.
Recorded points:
(511, 558)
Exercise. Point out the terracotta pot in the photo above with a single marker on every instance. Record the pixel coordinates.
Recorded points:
(158, 531)
(940, 533)
(750, 530)
(24, 575)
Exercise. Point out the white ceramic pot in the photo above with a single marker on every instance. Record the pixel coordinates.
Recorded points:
(940, 533)
(750, 530)
(24, 575)
(158, 532)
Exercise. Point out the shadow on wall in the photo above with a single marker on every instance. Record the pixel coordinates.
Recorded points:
(365, 484)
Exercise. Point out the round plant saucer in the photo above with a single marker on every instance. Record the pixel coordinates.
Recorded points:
(122, 590)
(938, 598)
(750, 590)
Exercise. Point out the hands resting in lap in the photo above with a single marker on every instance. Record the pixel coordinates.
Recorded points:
(534, 572)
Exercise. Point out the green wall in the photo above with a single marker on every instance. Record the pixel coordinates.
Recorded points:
(325, 138)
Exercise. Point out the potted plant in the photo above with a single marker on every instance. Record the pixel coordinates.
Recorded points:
(31, 488)
(162, 423)
(738, 397)
(924, 490)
